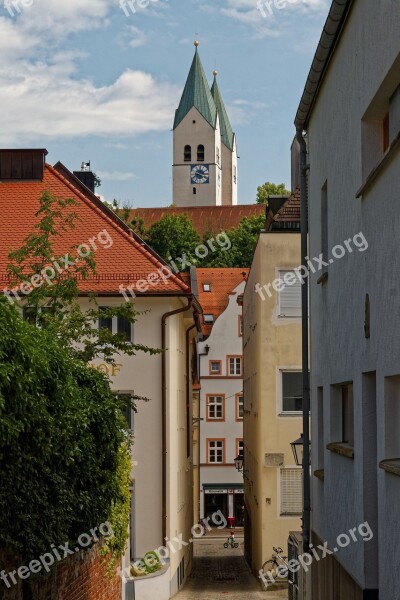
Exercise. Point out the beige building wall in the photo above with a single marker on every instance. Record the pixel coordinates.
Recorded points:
(229, 175)
(271, 344)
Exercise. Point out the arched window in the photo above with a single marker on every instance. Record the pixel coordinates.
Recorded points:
(200, 152)
(188, 153)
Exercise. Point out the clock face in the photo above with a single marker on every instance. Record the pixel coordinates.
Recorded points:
(199, 174)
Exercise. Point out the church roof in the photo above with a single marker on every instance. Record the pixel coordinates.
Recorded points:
(197, 94)
(227, 134)
(205, 219)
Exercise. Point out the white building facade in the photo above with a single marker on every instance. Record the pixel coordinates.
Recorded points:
(221, 399)
(351, 112)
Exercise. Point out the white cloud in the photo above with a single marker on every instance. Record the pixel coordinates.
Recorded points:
(40, 101)
(41, 95)
(264, 16)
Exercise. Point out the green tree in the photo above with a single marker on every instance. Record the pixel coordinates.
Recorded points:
(243, 240)
(173, 236)
(270, 189)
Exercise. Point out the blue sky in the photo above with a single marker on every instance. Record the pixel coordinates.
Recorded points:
(90, 81)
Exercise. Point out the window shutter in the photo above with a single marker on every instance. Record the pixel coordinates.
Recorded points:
(290, 298)
(291, 491)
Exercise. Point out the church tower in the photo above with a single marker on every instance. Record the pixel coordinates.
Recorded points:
(205, 162)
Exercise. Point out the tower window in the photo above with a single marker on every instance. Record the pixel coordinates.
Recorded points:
(200, 152)
(194, 191)
(188, 153)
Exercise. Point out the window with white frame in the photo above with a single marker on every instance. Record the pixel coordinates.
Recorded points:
(116, 324)
(292, 391)
(240, 447)
(289, 296)
(234, 365)
(215, 408)
(291, 491)
(216, 451)
(239, 407)
(209, 318)
(215, 367)
(206, 287)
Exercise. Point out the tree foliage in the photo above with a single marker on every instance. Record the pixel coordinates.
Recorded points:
(61, 434)
(173, 236)
(64, 444)
(270, 189)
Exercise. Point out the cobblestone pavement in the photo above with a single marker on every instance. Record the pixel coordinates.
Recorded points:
(220, 573)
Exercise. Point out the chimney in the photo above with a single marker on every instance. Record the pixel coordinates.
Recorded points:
(86, 176)
(22, 165)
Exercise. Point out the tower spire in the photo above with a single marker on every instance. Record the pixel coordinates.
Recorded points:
(197, 94)
(227, 134)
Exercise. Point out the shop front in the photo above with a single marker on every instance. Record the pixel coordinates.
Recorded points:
(227, 498)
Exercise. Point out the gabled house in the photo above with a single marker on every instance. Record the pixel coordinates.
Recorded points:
(126, 270)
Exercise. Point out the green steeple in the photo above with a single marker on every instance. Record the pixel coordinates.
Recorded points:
(197, 94)
(227, 134)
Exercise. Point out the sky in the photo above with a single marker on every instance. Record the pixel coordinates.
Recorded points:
(100, 80)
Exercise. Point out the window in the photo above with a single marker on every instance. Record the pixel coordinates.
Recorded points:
(188, 154)
(216, 451)
(324, 224)
(215, 367)
(347, 414)
(291, 491)
(127, 410)
(385, 132)
(206, 287)
(234, 365)
(240, 325)
(209, 318)
(117, 324)
(200, 152)
(37, 316)
(239, 406)
(194, 191)
(215, 408)
(289, 298)
(29, 314)
(239, 446)
(292, 391)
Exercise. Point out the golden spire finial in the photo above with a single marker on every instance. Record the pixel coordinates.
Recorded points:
(196, 43)
(215, 72)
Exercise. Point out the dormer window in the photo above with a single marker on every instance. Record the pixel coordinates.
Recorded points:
(206, 287)
(200, 152)
(188, 153)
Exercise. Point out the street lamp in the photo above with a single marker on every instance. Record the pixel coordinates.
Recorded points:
(298, 451)
(239, 462)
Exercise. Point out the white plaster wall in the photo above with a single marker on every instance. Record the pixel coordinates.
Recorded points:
(193, 134)
(339, 350)
(223, 340)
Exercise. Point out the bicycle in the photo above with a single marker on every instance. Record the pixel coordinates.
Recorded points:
(270, 567)
(231, 541)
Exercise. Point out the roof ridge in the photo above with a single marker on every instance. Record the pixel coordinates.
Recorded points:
(117, 227)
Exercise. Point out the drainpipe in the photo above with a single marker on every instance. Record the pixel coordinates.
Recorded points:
(304, 341)
(164, 409)
(188, 414)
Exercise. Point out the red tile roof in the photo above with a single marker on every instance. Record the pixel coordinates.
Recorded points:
(223, 282)
(125, 262)
(205, 219)
(287, 215)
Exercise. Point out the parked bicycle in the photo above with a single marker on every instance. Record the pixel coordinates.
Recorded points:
(271, 566)
(231, 541)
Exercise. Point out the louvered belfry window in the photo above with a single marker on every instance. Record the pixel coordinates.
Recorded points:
(289, 297)
(291, 491)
